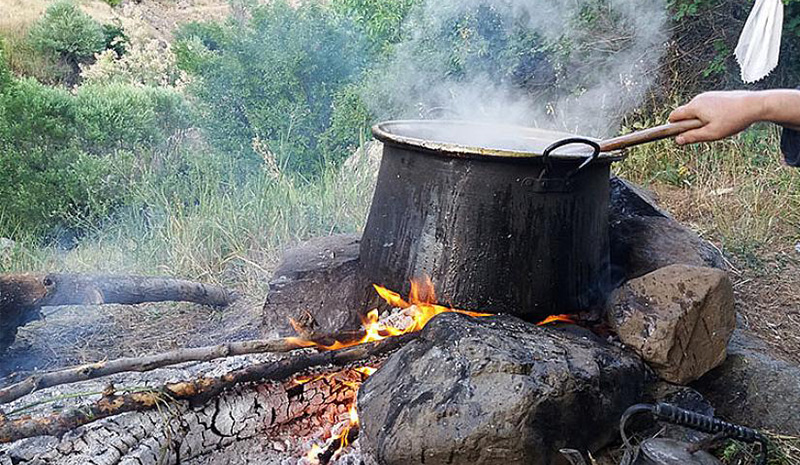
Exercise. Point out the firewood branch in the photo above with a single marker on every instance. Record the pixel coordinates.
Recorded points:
(196, 392)
(146, 363)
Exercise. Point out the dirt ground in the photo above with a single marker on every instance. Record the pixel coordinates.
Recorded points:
(766, 282)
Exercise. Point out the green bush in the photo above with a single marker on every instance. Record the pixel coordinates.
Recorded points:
(5, 73)
(114, 38)
(273, 79)
(116, 116)
(46, 190)
(36, 116)
(380, 20)
(67, 159)
(67, 32)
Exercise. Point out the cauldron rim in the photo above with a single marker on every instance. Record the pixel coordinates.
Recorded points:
(388, 133)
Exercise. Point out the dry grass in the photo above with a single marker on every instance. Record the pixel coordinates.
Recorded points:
(737, 194)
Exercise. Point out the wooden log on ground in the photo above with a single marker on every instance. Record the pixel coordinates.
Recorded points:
(23, 295)
(19, 297)
(196, 392)
(77, 289)
(146, 363)
(241, 426)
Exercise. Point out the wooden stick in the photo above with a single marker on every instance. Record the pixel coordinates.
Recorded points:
(650, 135)
(146, 363)
(197, 391)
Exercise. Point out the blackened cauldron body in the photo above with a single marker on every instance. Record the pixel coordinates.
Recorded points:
(491, 232)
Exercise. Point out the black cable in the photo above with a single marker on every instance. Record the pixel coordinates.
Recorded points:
(696, 421)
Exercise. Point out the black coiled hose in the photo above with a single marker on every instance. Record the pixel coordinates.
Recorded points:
(696, 421)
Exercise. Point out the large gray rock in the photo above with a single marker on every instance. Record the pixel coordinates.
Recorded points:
(754, 389)
(679, 319)
(314, 286)
(496, 390)
(645, 238)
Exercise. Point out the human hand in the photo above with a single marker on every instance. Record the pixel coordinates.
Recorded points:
(724, 114)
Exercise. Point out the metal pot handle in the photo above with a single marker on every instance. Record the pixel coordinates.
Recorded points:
(548, 162)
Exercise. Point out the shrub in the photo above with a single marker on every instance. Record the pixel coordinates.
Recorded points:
(272, 79)
(5, 73)
(381, 20)
(114, 39)
(36, 116)
(116, 116)
(67, 160)
(46, 190)
(148, 62)
(66, 31)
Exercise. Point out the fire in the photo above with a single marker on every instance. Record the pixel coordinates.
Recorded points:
(556, 318)
(366, 371)
(313, 453)
(420, 308)
(319, 454)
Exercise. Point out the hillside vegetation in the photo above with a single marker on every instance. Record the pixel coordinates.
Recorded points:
(199, 138)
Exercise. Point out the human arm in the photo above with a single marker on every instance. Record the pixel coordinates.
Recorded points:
(727, 113)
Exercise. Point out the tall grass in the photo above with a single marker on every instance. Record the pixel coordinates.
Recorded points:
(736, 191)
(212, 226)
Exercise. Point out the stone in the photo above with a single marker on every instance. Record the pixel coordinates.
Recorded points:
(314, 285)
(645, 238)
(679, 319)
(496, 390)
(754, 389)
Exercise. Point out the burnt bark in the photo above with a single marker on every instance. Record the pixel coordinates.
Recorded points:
(76, 289)
(180, 433)
(197, 391)
(314, 287)
(146, 363)
(19, 298)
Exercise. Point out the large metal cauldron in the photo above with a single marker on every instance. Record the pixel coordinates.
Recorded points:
(497, 223)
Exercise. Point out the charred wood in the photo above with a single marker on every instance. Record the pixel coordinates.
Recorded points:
(76, 289)
(142, 364)
(240, 426)
(197, 392)
(338, 444)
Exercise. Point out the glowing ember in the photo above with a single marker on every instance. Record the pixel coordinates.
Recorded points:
(366, 371)
(313, 453)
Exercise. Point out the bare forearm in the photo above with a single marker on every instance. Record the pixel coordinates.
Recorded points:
(780, 107)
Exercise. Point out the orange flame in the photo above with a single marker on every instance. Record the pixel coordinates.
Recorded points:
(554, 318)
(366, 371)
(421, 307)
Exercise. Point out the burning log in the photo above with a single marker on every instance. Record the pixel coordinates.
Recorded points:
(196, 392)
(23, 295)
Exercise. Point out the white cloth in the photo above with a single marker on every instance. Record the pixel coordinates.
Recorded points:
(760, 44)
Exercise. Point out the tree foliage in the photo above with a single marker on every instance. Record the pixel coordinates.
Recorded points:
(273, 79)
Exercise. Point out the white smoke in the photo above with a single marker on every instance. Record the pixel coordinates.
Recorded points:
(610, 66)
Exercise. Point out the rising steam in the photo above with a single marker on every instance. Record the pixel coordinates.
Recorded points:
(586, 62)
